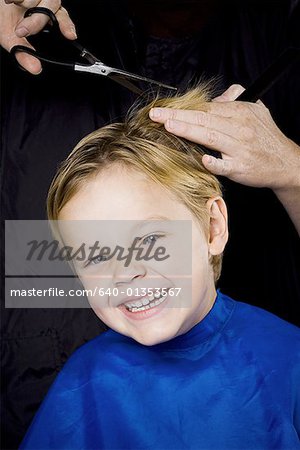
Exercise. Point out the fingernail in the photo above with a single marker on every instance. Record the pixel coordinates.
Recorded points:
(73, 31)
(208, 159)
(22, 32)
(155, 113)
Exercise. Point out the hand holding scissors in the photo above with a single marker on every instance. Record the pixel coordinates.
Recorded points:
(93, 65)
(14, 28)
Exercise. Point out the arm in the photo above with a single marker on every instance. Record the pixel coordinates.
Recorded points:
(254, 151)
(14, 28)
(289, 195)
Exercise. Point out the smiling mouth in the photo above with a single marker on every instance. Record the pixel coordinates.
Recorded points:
(146, 303)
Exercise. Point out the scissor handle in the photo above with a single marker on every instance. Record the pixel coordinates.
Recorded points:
(22, 48)
(32, 52)
(42, 10)
(91, 59)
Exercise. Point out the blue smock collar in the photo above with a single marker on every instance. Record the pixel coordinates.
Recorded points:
(212, 325)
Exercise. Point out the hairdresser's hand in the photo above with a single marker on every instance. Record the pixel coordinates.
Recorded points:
(14, 28)
(254, 151)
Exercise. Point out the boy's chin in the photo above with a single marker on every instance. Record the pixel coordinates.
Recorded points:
(152, 340)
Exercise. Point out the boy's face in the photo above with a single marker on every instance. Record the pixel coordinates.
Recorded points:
(127, 197)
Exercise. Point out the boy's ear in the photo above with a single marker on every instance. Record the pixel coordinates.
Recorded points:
(218, 225)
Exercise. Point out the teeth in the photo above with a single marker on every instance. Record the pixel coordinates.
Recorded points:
(147, 302)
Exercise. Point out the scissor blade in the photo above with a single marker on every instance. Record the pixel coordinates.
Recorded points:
(120, 76)
(134, 76)
(126, 83)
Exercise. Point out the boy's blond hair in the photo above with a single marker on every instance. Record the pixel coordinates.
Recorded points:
(146, 146)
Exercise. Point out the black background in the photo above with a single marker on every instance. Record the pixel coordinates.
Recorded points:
(43, 117)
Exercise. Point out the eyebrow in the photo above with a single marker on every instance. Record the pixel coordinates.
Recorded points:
(157, 217)
(141, 223)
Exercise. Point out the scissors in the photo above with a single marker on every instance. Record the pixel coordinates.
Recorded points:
(259, 87)
(94, 65)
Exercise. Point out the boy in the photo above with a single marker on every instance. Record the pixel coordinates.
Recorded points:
(196, 370)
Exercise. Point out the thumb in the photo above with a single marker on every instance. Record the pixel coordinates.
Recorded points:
(230, 94)
(217, 166)
(28, 62)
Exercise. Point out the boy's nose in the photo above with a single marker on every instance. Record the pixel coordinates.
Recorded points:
(123, 274)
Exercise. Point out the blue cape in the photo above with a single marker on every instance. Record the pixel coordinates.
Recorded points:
(231, 382)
